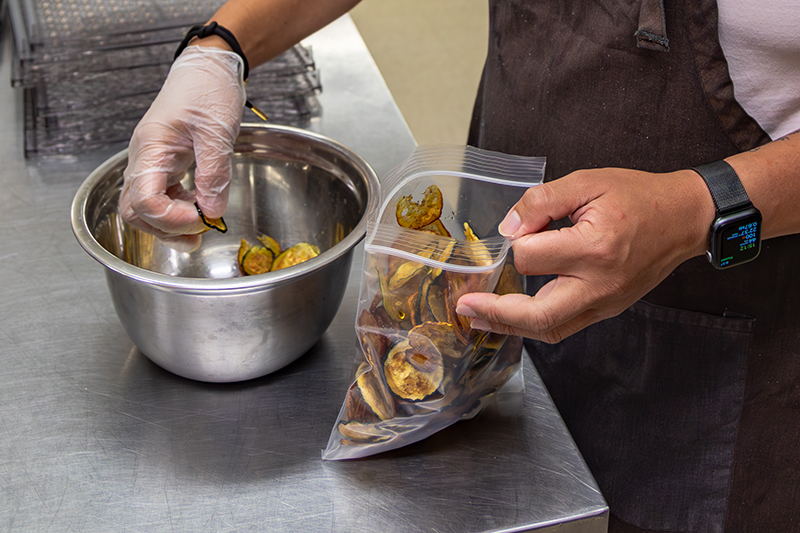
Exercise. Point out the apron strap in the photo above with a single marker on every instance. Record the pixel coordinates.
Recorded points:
(652, 31)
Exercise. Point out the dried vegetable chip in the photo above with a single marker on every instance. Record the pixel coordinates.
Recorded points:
(420, 356)
(267, 256)
(415, 215)
(212, 223)
(295, 255)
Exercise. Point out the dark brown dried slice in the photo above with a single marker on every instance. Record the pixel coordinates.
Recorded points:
(402, 303)
(213, 223)
(412, 374)
(415, 215)
(436, 301)
(374, 344)
(440, 335)
(510, 282)
(363, 433)
(425, 314)
(374, 393)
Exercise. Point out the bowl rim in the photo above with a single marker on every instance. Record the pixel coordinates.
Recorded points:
(113, 263)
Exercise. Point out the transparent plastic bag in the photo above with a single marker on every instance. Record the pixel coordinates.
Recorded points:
(419, 367)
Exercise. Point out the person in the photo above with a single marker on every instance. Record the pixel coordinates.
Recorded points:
(680, 383)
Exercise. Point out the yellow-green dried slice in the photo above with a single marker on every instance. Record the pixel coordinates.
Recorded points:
(469, 234)
(270, 244)
(213, 223)
(443, 257)
(243, 247)
(256, 260)
(437, 228)
(415, 215)
(412, 374)
(477, 251)
(295, 255)
(407, 271)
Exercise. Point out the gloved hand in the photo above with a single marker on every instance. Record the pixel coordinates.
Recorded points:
(194, 118)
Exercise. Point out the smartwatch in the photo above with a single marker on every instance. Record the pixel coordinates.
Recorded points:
(735, 236)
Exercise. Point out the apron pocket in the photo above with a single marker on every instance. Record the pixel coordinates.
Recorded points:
(652, 398)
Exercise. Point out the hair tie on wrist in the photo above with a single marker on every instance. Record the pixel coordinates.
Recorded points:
(212, 28)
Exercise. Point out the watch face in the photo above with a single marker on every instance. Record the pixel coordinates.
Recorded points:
(736, 238)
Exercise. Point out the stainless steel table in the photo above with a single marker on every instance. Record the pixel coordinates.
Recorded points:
(94, 437)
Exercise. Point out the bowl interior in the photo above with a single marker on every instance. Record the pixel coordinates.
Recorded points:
(288, 184)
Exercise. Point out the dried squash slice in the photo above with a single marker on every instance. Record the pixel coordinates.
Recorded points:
(415, 215)
(256, 260)
(412, 374)
(270, 244)
(213, 223)
(295, 255)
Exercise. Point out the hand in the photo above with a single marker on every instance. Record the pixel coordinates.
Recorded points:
(630, 230)
(194, 118)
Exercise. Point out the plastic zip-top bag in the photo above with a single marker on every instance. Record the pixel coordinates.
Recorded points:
(419, 367)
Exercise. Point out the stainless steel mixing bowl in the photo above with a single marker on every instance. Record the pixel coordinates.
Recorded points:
(193, 313)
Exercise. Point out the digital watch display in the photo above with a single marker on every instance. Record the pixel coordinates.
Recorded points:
(735, 236)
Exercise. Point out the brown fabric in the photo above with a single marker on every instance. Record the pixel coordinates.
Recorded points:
(567, 79)
(652, 31)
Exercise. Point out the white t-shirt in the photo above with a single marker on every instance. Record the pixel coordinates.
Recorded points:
(761, 41)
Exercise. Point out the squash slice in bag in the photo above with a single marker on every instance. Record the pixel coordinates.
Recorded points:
(419, 367)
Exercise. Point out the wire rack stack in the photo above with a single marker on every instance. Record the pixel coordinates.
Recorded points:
(89, 69)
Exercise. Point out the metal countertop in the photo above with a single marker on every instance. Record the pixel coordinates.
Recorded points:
(95, 437)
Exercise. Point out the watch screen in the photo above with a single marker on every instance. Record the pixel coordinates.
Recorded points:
(739, 241)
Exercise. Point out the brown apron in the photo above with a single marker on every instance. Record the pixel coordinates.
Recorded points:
(686, 406)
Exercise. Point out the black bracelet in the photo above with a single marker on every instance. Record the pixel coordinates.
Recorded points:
(214, 29)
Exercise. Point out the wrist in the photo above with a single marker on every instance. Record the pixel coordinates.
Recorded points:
(700, 211)
(212, 41)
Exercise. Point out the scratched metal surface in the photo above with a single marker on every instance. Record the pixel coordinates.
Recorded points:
(94, 437)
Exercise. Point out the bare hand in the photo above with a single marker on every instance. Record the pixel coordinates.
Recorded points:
(630, 230)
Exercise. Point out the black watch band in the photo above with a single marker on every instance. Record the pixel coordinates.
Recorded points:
(725, 186)
(735, 236)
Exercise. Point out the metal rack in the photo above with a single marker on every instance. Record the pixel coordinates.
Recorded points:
(89, 69)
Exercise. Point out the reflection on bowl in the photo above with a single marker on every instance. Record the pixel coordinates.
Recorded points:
(192, 312)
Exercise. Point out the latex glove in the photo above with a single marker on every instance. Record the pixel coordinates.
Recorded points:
(194, 118)
(631, 229)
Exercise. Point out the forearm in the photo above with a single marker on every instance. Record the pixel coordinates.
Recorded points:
(771, 176)
(265, 28)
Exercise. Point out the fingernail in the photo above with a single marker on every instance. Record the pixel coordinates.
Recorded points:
(465, 310)
(510, 224)
(477, 323)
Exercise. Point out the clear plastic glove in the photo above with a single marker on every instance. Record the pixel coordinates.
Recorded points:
(194, 118)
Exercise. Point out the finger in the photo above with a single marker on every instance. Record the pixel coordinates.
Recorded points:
(560, 251)
(147, 194)
(213, 153)
(542, 204)
(181, 243)
(559, 309)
